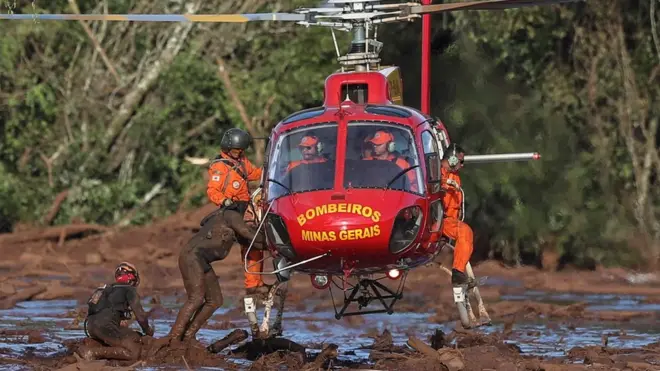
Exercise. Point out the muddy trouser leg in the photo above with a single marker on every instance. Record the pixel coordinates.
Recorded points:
(123, 343)
(244, 235)
(192, 273)
(213, 301)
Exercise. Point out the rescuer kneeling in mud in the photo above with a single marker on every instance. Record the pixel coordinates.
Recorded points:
(108, 306)
(452, 225)
(227, 187)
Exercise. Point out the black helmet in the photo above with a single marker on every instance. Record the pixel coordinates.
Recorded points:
(235, 138)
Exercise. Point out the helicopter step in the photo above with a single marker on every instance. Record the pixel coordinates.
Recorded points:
(366, 291)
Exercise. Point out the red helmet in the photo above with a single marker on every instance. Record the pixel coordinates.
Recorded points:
(127, 273)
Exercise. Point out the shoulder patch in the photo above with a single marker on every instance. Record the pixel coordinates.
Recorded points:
(236, 184)
(215, 178)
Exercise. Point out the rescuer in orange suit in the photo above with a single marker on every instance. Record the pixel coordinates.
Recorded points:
(452, 201)
(227, 187)
(229, 174)
(310, 147)
(383, 146)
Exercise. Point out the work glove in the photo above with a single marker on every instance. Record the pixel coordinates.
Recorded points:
(227, 202)
(452, 183)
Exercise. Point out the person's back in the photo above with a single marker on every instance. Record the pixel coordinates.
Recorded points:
(111, 302)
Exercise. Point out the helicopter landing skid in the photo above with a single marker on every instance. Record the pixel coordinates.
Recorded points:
(366, 291)
(466, 313)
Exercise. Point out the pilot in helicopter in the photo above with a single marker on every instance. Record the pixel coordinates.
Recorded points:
(383, 149)
(311, 148)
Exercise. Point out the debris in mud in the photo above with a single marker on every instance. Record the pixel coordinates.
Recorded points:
(82, 365)
(22, 336)
(193, 354)
(271, 353)
(23, 295)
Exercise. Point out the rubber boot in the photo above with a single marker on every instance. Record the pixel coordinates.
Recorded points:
(251, 312)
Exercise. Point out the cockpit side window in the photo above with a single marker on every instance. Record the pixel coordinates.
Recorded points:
(303, 160)
(378, 153)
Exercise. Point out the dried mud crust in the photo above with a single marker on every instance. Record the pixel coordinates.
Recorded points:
(267, 354)
(193, 354)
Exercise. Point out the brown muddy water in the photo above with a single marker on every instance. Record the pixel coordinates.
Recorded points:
(38, 329)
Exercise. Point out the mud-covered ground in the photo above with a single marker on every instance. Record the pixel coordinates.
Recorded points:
(602, 319)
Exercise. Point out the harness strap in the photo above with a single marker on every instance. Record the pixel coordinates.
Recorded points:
(236, 166)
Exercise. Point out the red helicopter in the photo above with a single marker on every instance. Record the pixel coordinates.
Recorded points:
(329, 213)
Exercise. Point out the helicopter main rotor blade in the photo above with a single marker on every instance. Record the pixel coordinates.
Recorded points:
(483, 5)
(206, 18)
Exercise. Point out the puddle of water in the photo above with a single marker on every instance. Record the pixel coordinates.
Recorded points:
(502, 282)
(543, 338)
(596, 302)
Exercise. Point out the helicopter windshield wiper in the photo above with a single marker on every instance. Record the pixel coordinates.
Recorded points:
(399, 175)
(288, 190)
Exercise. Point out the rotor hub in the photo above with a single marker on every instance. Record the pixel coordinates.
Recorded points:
(360, 17)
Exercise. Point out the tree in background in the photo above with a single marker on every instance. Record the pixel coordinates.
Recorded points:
(98, 118)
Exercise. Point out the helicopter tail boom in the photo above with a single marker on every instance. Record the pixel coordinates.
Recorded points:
(501, 157)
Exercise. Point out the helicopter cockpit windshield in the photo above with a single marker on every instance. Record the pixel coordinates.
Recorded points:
(380, 155)
(303, 160)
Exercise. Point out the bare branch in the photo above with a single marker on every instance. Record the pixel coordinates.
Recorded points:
(199, 161)
(199, 129)
(224, 74)
(23, 160)
(49, 162)
(174, 44)
(265, 122)
(55, 207)
(145, 200)
(97, 45)
(250, 122)
(654, 28)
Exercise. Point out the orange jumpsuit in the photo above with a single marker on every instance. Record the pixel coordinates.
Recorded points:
(228, 178)
(296, 163)
(403, 164)
(452, 226)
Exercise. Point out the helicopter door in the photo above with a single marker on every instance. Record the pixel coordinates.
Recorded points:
(441, 139)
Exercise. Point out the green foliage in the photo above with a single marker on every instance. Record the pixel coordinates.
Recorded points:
(507, 81)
